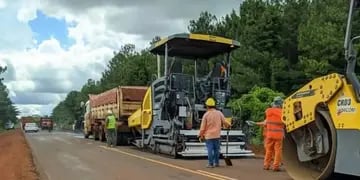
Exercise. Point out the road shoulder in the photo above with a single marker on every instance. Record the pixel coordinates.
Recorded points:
(39, 169)
(16, 158)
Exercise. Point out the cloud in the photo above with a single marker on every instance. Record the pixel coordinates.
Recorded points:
(15, 35)
(49, 68)
(26, 98)
(43, 75)
(41, 70)
(2, 4)
(27, 10)
(35, 109)
(10, 73)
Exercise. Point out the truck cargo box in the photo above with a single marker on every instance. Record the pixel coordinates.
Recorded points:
(122, 100)
(25, 120)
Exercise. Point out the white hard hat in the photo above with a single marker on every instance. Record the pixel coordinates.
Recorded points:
(109, 112)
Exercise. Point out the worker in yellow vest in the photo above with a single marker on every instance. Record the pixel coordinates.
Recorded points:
(110, 123)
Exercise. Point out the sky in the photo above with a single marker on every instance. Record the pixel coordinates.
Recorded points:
(51, 47)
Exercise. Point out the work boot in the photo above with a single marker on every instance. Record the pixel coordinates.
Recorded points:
(276, 169)
(209, 166)
(217, 165)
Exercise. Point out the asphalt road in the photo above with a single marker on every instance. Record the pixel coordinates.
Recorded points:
(63, 155)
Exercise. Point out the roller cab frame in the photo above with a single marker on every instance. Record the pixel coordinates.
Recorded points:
(173, 106)
(323, 122)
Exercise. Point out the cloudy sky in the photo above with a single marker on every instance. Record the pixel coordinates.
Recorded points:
(53, 46)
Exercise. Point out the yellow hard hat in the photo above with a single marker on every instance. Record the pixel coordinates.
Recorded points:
(210, 102)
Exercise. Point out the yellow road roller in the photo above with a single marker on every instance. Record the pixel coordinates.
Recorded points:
(322, 121)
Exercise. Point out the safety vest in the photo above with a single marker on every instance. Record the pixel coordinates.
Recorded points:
(111, 122)
(274, 124)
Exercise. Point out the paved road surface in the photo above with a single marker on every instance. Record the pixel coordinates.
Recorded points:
(67, 156)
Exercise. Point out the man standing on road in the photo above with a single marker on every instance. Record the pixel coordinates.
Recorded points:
(263, 125)
(210, 130)
(110, 123)
(274, 134)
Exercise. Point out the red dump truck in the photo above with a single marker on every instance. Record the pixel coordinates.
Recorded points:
(46, 123)
(122, 101)
(25, 120)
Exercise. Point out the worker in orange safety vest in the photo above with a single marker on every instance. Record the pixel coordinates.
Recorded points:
(263, 125)
(274, 135)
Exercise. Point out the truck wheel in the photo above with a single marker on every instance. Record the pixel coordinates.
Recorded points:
(102, 135)
(119, 139)
(96, 135)
(86, 135)
(122, 139)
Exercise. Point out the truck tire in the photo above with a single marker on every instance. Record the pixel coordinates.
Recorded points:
(122, 139)
(86, 135)
(102, 136)
(96, 135)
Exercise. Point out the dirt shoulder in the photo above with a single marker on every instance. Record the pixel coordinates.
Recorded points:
(16, 161)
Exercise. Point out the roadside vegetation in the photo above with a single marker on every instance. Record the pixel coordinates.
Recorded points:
(8, 111)
(284, 44)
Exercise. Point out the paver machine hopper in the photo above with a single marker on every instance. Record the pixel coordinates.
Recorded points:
(169, 120)
(322, 121)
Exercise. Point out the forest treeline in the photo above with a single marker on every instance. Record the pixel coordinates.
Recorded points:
(8, 111)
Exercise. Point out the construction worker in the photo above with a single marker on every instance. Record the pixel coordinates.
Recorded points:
(110, 123)
(210, 130)
(274, 135)
(263, 125)
(223, 69)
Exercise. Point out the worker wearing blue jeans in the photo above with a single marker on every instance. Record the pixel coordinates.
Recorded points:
(210, 130)
(213, 148)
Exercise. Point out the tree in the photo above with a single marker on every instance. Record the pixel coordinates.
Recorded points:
(7, 109)
(321, 38)
(206, 23)
(154, 40)
(91, 87)
(62, 115)
(253, 105)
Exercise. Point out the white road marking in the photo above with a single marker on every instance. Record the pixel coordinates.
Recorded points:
(217, 175)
